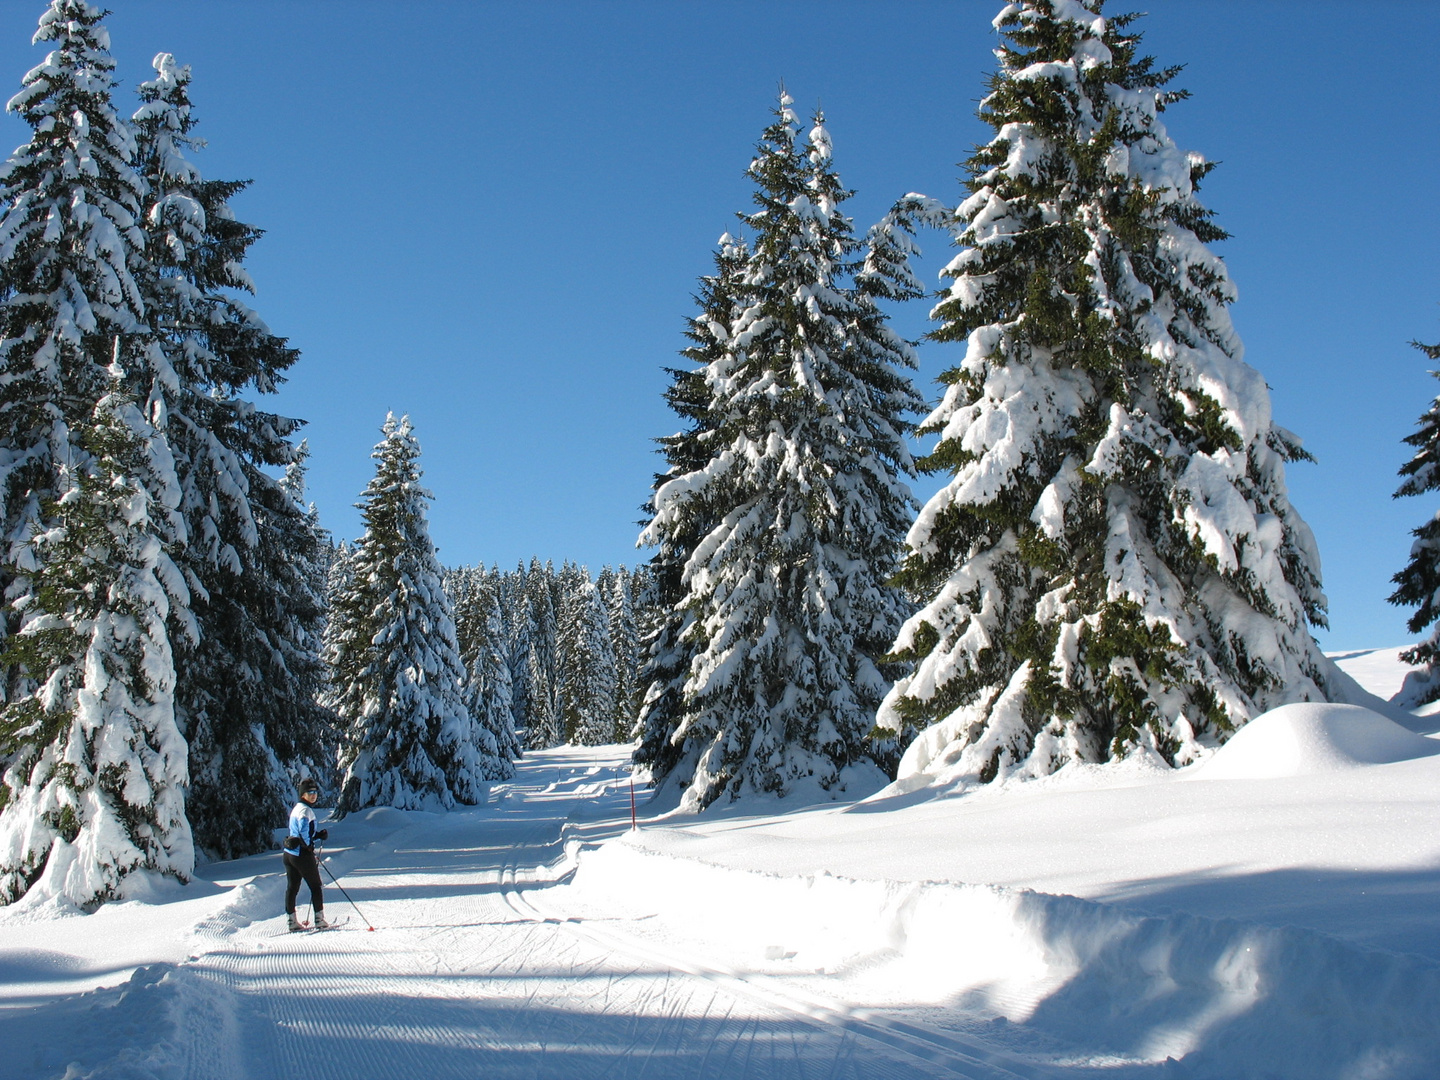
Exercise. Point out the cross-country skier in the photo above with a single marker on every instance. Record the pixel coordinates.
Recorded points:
(299, 857)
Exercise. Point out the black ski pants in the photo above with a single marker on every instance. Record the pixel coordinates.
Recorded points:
(301, 866)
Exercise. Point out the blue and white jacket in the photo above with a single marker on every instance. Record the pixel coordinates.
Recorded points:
(302, 829)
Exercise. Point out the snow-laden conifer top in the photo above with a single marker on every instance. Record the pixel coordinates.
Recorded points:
(1114, 559)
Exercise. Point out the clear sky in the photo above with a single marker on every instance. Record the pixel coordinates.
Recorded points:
(492, 216)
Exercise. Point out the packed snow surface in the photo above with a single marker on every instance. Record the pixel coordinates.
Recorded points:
(1119, 921)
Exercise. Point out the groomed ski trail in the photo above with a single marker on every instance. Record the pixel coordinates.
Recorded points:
(476, 969)
(923, 1046)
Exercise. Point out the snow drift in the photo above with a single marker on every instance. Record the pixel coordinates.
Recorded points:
(1115, 987)
(1296, 740)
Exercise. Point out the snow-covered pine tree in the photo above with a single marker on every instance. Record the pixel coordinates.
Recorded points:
(71, 320)
(605, 582)
(803, 493)
(542, 712)
(561, 583)
(665, 656)
(625, 647)
(342, 646)
(245, 691)
(289, 611)
(409, 741)
(588, 703)
(520, 629)
(1418, 585)
(566, 592)
(69, 241)
(487, 691)
(1115, 561)
(645, 618)
(94, 784)
(465, 586)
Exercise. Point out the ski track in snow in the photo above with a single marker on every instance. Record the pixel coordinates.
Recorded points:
(473, 970)
(925, 1045)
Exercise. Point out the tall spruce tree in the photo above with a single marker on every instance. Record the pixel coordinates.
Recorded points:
(95, 782)
(488, 689)
(520, 633)
(409, 741)
(465, 586)
(614, 586)
(587, 713)
(248, 669)
(542, 705)
(1114, 561)
(342, 644)
(293, 557)
(565, 593)
(69, 245)
(1418, 585)
(645, 615)
(801, 494)
(87, 682)
(665, 656)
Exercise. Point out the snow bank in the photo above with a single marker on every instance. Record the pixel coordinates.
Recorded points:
(1306, 738)
(1383, 673)
(1221, 997)
(1379, 671)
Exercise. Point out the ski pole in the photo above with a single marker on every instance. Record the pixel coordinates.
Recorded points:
(347, 896)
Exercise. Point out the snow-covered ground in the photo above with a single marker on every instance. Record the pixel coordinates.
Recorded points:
(1269, 913)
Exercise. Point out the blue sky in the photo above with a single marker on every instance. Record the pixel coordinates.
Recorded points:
(492, 217)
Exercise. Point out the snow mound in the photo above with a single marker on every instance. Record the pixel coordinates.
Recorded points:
(1306, 738)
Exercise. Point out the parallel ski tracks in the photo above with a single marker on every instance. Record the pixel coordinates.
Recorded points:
(955, 1056)
(534, 994)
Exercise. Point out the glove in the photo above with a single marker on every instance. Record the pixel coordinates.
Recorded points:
(292, 843)
(323, 834)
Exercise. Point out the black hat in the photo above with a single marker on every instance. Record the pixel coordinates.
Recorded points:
(308, 785)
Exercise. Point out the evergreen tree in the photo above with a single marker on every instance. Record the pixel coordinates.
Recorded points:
(543, 718)
(802, 494)
(397, 678)
(87, 682)
(343, 644)
(646, 618)
(665, 655)
(1115, 561)
(520, 630)
(69, 241)
(286, 596)
(588, 700)
(566, 591)
(95, 781)
(1418, 585)
(248, 669)
(625, 647)
(487, 693)
(465, 586)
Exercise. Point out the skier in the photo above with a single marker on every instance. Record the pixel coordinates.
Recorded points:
(299, 858)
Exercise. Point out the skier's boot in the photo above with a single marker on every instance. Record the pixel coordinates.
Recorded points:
(293, 924)
(320, 921)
